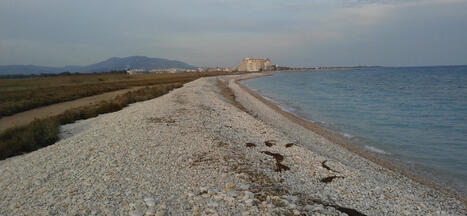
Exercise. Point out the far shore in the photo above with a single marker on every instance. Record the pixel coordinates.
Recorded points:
(341, 141)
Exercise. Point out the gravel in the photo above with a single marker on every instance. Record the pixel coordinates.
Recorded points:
(185, 153)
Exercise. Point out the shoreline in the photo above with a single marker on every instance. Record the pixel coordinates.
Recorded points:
(206, 149)
(338, 139)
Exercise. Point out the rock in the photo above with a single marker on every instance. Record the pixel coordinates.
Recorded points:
(150, 211)
(249, 202)
(161, 212)
(308, 208)
(162, 206)
(290, 198)
(203, 190)
(213, 204)
(210, 211)
(217, 197)
(275, 198)
(229, 199)
(244, 187)
(233, 193)
(229, 187)
(150, 202)
(136, 213)
(248, 195)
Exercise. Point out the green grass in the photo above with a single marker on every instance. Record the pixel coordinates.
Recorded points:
(44, 132)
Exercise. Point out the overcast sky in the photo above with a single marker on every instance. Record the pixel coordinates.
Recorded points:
(221, 32)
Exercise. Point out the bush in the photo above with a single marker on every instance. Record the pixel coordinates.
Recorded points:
(38, 134)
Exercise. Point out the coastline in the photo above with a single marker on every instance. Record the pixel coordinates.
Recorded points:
(338, 139)
(207, 148)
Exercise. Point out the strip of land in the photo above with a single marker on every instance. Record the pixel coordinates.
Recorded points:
(209, 147)
(26, 117)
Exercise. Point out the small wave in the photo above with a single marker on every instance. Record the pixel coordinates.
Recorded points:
(281, 105)
(286, 108)
(270, 99)
(376, 150)
(348, 136)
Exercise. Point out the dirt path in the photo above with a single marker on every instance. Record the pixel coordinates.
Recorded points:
(24, 118)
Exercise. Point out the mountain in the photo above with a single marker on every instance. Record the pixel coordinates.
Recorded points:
(112, 64)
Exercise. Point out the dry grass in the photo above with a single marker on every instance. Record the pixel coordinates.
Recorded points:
(23, 94)
(44, 132)
(18, 95)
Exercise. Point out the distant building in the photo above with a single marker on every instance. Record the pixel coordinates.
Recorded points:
(228, 69)
(166, 70)
(136, 71)
(156, 71)
(213, 69)
(254, 64)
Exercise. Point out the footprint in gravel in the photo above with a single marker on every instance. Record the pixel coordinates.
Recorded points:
(270, 143)
(288, 145)
(250, 145)
(330, 178)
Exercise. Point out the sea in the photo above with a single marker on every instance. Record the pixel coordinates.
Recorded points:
(415, 117)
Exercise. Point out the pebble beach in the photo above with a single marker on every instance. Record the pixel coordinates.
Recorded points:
(208, 148)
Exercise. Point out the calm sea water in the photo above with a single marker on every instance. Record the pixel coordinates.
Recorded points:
(414, 116)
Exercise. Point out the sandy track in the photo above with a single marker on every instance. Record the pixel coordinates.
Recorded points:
(26, 117)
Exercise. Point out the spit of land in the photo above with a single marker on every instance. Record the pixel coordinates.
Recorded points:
(208, 148)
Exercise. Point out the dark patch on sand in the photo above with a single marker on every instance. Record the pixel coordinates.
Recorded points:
(250, 145)
(279, 158)
(281, 167)
(329, 179)
(348, 211)
(162, 120)
(270, 143)
(327, 167)
(288, 145)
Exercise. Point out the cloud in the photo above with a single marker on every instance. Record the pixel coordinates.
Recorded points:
(222, 31)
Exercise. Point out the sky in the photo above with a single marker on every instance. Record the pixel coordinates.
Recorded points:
(221, 32)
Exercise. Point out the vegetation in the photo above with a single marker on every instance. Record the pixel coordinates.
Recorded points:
(23, 94)
(44, 132)
(18, 95)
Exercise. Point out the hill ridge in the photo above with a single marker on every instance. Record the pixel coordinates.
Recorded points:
(113, 63)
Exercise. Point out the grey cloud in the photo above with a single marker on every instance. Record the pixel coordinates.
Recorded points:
(219, 32)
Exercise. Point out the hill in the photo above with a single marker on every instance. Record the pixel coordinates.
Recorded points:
(112, 64)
